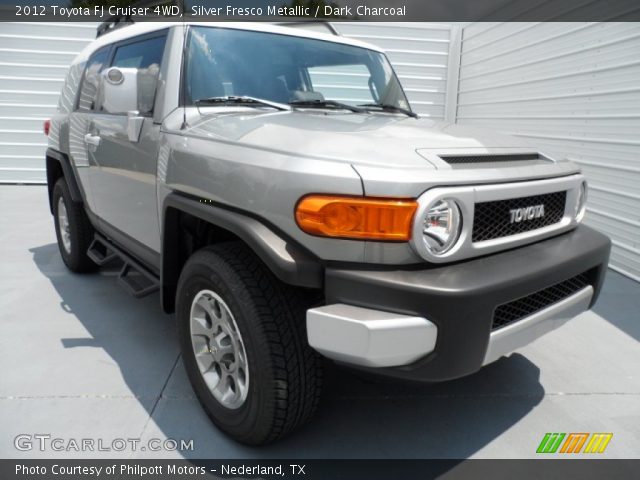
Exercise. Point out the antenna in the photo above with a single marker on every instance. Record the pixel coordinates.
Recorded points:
(183, 86)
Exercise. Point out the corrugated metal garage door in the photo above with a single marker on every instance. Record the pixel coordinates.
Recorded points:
(573, 89)
(419, 53)
(33, 63)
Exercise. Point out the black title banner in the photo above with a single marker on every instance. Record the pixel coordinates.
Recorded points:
(316, 469)
(334, 10)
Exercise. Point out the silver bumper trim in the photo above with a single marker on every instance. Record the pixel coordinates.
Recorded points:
(371, 338)
(522, 332)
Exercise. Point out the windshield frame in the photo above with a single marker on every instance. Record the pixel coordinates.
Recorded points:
(184, 100)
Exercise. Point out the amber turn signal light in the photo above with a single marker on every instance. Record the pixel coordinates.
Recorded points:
(364, 218)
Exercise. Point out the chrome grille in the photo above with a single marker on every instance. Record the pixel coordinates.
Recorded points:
(493, 219)
(508, 313)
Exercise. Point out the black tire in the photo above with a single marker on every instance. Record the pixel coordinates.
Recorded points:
(80, 230)
(285, 373)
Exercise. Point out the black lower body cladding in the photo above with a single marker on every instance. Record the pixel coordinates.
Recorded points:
(461, 298)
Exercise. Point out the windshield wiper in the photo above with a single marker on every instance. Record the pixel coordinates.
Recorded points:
(390, 108)
(326, 104)
(241, 100)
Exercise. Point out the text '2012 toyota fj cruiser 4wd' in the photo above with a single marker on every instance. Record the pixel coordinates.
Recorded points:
(276, 188)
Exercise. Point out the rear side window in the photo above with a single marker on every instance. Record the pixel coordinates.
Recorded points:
(89, 86)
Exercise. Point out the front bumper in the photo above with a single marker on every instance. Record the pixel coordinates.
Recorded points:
(444, 314)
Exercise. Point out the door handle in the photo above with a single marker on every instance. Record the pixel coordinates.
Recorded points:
(134, 125)
(92, 139)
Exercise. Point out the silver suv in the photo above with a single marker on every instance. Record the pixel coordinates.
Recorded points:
(277, 189)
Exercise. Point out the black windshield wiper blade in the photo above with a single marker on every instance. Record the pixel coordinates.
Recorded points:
(390, 108)
(241, 100)
(325, 104)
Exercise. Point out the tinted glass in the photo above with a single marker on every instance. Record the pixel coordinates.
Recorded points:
(90, 82)
(143, 54)
(285, 68)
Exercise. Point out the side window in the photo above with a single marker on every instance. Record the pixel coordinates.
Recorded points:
(142, 54)
(90, 82)
(145, 56)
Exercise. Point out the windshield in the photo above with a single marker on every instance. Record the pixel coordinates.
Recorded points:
(225, 62)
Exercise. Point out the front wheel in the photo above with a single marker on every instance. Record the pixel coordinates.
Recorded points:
(243, 339)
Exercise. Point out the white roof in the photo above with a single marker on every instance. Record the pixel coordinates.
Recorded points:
(136, 29)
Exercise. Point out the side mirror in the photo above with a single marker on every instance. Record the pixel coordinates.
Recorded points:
(129, 91)
(119, 90)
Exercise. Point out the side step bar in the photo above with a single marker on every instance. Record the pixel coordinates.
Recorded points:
(134, 277)
(100, 252)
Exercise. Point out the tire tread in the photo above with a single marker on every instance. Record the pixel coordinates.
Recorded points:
(81, 229)
(281, 309)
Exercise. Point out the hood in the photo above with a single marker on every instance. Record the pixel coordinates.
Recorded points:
(360, 139)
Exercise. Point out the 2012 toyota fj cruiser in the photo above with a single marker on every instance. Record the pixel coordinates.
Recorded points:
(276, 188)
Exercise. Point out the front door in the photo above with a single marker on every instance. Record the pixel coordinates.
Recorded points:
(123, 176)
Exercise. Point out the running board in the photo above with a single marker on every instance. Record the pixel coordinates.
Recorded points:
(100, 252)
(133, 277)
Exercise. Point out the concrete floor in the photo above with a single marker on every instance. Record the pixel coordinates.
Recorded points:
(82, 359)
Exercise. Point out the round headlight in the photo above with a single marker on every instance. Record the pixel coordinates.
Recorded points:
(581, 202)
(441, 226)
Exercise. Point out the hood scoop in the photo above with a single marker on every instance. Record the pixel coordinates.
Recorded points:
(494, 160)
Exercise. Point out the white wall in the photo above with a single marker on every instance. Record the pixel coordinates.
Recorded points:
(573, 89)
(34, 58)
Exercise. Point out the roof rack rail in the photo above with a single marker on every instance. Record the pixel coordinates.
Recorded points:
(118, 21)
(301, 23)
